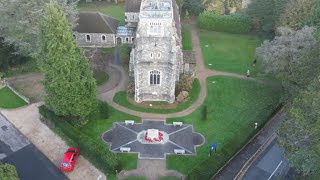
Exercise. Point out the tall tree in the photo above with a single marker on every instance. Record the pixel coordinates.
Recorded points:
(265, 14)
(69, 84)
(292, 57)
(296, 13)
(19, 21)
(299, 134)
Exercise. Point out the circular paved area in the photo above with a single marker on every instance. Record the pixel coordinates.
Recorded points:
(180, 137)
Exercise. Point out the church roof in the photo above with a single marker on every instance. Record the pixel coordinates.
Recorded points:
(96, 23)
(133, 5)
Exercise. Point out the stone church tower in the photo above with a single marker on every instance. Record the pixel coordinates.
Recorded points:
(156, 58)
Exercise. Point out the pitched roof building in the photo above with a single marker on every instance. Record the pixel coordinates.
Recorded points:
(95, 30)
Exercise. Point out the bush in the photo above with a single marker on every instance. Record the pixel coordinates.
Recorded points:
(204, 112)
(92, 149)
(8, 171)
(131, 89)
(184, 84)
(234, 23)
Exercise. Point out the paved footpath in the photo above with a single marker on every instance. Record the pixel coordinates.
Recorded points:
(26, 119)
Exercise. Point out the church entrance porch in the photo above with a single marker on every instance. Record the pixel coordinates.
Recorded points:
(152, 139)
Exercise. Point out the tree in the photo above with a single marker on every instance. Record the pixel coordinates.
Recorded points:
(8, 57)
(299, 133)
(194, 7)
(222, 6)
(296, 13)
(68, 83)
(265, 14)
(8, 171)
(292, 57)
(20, 19)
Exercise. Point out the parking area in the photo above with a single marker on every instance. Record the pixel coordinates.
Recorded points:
(132, 135)
(30, 163)
(270, 165)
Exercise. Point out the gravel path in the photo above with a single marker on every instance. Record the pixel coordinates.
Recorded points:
(26, 119)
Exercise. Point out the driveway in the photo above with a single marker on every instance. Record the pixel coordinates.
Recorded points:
(30, 163)
(26, 119)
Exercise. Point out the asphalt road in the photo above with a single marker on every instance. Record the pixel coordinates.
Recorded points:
(31, 164)
(270, 165)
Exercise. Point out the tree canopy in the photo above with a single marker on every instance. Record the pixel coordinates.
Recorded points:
(20, 19)
(8, 171)
(299, 133)
(68, 83)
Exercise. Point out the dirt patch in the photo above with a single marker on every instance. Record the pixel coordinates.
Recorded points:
(29, 85)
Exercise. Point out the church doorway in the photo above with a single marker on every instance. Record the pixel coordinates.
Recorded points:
(119, 40)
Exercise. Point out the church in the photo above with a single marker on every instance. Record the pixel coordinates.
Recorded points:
(156, 58)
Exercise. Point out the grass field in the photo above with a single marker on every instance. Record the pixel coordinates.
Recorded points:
(110, 9)
(234, 105)
(9, 100)
(229, 52)
(101, 77)
(186, 37)
(96, 126)
(121, 99)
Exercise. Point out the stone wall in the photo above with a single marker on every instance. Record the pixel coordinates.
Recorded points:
(96, 40)
(131, 17)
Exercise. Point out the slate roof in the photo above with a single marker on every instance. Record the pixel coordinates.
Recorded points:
(96, 23)
(133, 5)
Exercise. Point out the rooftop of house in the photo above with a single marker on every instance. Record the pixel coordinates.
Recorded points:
(96, 23)
(133, 5)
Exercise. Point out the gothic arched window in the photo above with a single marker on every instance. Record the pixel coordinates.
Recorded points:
(154, 77)
(88, 38)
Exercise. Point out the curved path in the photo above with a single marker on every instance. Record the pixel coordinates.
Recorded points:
(201, 73)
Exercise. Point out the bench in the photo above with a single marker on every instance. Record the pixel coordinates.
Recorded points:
(125, 149)
(129, 122)
(177, 123)
(179, 151)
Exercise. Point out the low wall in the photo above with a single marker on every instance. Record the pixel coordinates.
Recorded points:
(6, 83)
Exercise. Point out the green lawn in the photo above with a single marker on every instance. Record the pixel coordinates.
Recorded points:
(9, 100)
(186, 37)
(101, 77)
(229, 52)
(96, 126)
(121, 99)
(234, 105)
(110, 9)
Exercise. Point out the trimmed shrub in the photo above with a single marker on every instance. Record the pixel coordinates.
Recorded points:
(234, 23)
(8, 171)
(204, 112)
(92, 149)
(184, 84)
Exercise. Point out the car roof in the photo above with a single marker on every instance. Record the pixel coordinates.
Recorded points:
(67, 157)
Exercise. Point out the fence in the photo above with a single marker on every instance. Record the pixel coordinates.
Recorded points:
(6, 83)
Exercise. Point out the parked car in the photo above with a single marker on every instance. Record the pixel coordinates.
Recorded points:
(69, 159)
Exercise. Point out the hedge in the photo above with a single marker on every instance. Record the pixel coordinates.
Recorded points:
(234, 23)
(92, 149)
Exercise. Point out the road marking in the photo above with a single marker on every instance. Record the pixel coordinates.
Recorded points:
(275, 170)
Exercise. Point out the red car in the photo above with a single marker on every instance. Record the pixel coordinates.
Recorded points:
(69, 159)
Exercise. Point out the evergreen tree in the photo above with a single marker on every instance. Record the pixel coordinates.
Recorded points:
(69, 84)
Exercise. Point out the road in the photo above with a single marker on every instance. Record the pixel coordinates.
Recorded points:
(31, 164)
(270, 165)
